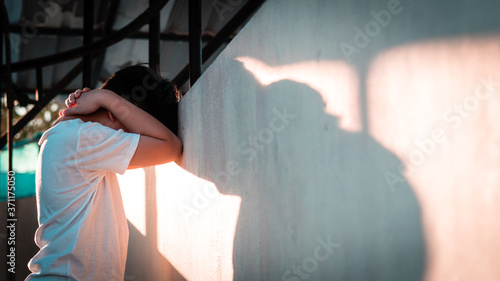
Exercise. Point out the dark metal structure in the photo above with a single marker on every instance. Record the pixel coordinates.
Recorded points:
(91, 54)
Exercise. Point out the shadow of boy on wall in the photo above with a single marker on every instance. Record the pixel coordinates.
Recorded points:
(315, 201)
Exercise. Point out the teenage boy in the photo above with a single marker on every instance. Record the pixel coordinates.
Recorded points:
(83, 232)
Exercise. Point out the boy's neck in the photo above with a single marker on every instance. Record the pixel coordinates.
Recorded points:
(84, 118)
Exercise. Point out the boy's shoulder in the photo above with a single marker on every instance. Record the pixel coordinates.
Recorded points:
(67, 129)
(61, 127)
(82, 133)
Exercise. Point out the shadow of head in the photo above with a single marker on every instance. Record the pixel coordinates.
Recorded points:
(315, 202)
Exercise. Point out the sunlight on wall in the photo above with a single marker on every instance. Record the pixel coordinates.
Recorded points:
(185, 204)
(133, 195)
(436, 105)
(336, 82)
(190, 204)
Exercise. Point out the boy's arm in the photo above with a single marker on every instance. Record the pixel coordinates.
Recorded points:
(157, 144)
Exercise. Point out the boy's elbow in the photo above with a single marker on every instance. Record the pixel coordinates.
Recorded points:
(179, 148)
(176, 149)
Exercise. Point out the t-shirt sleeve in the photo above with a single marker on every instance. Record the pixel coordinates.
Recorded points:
(102, 148)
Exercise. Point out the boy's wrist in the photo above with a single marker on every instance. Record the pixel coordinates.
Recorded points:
(107, 98)
(114, 103)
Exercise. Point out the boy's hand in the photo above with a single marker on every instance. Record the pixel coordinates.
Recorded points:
(87, 104)
(72, 98)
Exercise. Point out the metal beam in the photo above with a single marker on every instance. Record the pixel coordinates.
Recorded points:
(154, 40)
(194, 41)
(95, 46)
(110, 11)
(9, 94)
(88, 37)
(98, 33)
(9, 97)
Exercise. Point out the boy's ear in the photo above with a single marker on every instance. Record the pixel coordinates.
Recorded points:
(111, 116)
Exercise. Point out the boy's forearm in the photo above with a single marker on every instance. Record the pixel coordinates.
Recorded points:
(157, 144)
(135, 119)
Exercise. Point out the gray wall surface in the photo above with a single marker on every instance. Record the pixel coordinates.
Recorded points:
(338, 140)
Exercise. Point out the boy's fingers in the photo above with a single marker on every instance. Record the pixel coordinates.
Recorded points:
(78, 93)
(70, 101)
(66, 112)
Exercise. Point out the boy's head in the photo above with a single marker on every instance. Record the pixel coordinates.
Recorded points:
(147, 90)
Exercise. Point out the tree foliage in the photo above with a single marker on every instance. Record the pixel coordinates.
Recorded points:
(42, 121)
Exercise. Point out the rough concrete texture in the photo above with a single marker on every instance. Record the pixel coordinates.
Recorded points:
(334, 140)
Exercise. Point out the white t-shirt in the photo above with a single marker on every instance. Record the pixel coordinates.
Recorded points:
(83, 232)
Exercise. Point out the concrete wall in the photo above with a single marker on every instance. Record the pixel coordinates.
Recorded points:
(339, 140)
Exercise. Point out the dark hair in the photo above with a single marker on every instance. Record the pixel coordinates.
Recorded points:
(146, 89)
